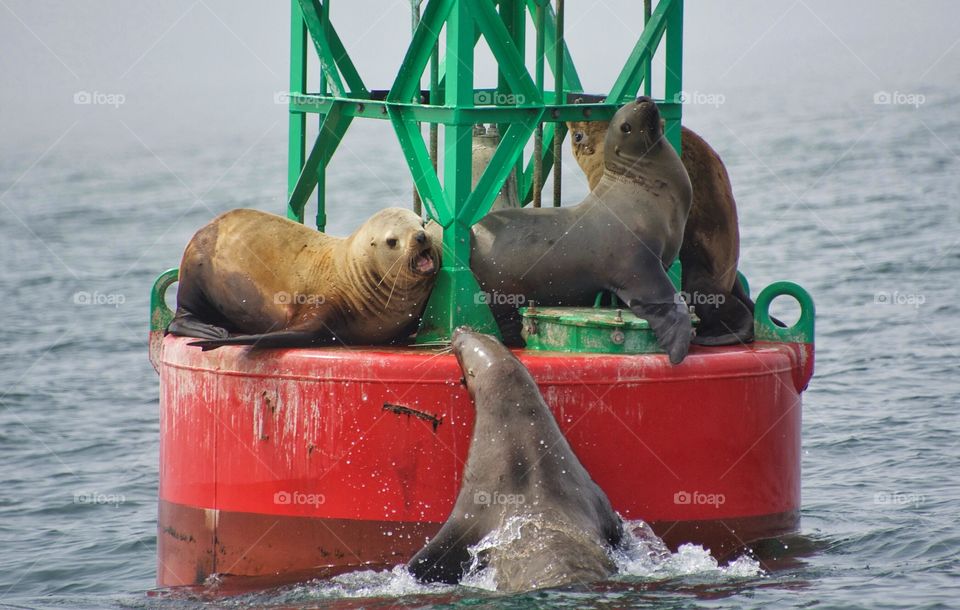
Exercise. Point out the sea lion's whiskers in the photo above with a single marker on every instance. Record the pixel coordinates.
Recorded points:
(392, 288)
(441, 352)
(389, 269)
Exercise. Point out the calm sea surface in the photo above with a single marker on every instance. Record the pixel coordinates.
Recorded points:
(859, 204)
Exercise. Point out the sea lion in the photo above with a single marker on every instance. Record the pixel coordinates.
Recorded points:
(485, 142)
(620, 239)
(277, 283)
(520, 473)
(711, 240)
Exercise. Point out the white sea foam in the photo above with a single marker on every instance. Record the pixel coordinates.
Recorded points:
(641, 556)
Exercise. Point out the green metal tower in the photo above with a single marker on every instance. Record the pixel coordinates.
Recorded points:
(520, 105)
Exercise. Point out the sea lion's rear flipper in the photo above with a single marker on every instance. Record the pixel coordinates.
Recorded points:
(650, 295)
(726, 318)
(185, 324)
(281, 338)
(445, 558)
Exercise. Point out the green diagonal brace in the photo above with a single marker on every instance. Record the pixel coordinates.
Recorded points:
(501, 164)
(332, 128)
(418, 159)
(570, 77)
(501, 45)
(407, 84)
(333, 56)
(628, 83)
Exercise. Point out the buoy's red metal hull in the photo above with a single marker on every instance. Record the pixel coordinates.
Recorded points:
(285, 464)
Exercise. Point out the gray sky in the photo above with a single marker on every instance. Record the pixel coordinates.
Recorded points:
(192, 70)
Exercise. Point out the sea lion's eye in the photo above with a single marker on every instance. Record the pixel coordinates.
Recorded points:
(626, 128)
(577, 136)
(392, 242)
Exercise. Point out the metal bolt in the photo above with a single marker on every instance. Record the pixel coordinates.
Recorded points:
(531, 327)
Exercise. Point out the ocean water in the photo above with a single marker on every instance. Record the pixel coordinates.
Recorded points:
(858, 203)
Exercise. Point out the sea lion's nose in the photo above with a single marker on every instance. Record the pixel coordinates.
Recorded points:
(421, 237)
(643, 99)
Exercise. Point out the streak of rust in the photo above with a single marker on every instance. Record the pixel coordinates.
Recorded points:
(402, 410)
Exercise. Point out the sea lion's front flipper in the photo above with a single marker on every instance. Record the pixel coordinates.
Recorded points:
(650, 295)
(445, 558)
(185, 324)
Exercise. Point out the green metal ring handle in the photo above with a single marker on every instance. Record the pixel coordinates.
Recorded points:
(766, 330)
(160, 314)
(744, 283)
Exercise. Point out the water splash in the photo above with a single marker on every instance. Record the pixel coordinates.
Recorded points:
(642, 555)
(368, 583)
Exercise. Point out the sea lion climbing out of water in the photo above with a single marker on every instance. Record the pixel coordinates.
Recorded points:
(520, 473)
(253, 278)
(711, 240)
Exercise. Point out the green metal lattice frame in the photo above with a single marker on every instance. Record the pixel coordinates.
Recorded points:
(520, 105)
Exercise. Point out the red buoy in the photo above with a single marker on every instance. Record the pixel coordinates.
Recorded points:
(289, 464)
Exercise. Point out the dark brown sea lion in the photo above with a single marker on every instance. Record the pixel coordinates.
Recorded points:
(711, 241)
(277, 283)
(620, 239)
(520, 476)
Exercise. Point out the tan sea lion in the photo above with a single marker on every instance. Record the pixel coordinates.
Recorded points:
(711, 242)
(253, 278)
(620, 239)
(485, 142)
(520, 472)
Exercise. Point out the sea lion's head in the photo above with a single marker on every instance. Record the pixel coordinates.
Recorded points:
(398, 246)
(487, 365)
(586, 138)
(635, 135)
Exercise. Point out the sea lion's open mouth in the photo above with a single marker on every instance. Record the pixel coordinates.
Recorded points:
(423, 263)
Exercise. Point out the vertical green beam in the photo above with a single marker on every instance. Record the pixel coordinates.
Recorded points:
(513, 13)
(435, 101)
(547, 28)
(454, 299)
(647, 70)
(414, 23)
(559, 129)
(322, 169)
(458, 139)
(673, 83)
(537, 185)
(298, 121)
